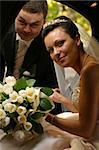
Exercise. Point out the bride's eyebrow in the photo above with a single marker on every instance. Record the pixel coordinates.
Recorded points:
(59, 41)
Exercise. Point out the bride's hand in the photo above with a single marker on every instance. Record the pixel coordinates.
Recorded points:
(57, 97)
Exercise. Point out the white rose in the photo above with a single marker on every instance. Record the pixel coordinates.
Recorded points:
(5, 102)
(13, 96)
(22, 119)
(37, 99)
(6, 121)
(21, 110)
(10, 107)
(7, 89)
(19, 135)
(30, 91)
(2, 114)
(20, 99)
(22, 93)
(34, 97)
(27, 126)
(1, 88)
(10, 80)
(31, 98)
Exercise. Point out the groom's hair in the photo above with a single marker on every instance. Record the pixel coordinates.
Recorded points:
(36, 6)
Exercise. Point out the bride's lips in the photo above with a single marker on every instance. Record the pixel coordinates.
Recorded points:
(61, 59)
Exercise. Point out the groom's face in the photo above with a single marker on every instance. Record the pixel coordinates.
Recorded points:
(28, 25)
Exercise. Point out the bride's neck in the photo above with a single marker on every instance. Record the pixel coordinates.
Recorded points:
(82, 59)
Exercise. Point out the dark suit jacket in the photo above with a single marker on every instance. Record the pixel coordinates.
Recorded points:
(8, 12)
(37, 60)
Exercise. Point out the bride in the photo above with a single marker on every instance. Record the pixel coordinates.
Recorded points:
(80, 130)
(62, 40)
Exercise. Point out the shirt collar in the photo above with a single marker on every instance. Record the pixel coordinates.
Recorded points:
(26, 42)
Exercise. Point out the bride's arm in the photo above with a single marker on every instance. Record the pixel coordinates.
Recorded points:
(58, 98)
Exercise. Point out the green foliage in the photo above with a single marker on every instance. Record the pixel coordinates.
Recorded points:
(37, 127)
(46, 90)
(22, 83)
(45, 104)
(56, 9)
(37, 115)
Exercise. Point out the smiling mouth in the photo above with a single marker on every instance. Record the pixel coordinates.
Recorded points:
(61, 59)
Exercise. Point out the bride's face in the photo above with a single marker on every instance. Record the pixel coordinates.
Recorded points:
(62, 48)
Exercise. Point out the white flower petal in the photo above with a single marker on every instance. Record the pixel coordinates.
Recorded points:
(6, 121)
(21, 110)
(7, 89)
(27, 126)
(22, 93)
(13, 96)
(20, 99)
(22, 119)
(2, 114)
(10, 107)
(10, 80)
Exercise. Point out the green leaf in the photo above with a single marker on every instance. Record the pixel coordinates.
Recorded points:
(45, 104)
(20, 84)
(46, 90)
(30, 82)
(37, 127)
(37, 115)
(3, 96)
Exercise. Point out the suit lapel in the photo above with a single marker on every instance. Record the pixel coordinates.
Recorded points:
(9, 49)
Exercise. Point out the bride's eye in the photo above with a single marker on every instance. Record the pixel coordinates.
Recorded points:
(60, 43)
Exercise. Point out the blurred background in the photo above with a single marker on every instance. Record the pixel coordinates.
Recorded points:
(56, 9)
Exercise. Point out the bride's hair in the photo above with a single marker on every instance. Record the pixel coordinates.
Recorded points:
(64, 22)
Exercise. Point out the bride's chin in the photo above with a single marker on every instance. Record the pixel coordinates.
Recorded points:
(64, 64)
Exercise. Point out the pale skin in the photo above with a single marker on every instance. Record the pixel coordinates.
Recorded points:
(28, 25)
(56, 97)
(71, 54)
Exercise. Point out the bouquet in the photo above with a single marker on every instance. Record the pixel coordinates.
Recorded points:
(23, 106)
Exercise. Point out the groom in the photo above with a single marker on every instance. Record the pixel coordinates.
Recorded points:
(36, 61)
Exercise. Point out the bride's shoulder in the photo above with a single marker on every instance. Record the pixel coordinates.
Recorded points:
(90, 73)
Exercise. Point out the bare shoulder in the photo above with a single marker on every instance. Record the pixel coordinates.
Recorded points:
(90, 70)
(90, 74)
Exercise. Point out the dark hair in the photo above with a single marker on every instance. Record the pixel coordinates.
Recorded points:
(36, 6)
(64, 22)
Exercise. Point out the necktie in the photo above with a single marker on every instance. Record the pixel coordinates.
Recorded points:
(19, 58)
